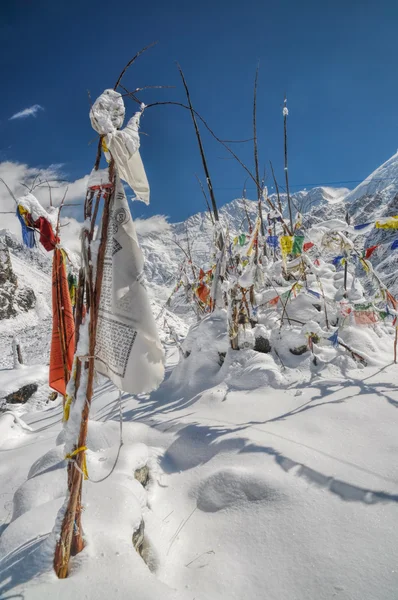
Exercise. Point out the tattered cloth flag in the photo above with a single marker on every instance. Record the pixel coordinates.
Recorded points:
(364, 315)
(387, 223)
(254, 237)
(362, 226)
(307, 246)
(298, 245)
(273, 301)
(286, 245)
(272, 240)
(107, 116)
(337, 260)
(369, 251)
(334, 338)
(242, 239)
(28, 232)
(128, 349)
(394, 245)
(63, 331)
(316, 294)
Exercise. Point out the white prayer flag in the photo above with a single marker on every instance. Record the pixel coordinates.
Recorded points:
(128, 349)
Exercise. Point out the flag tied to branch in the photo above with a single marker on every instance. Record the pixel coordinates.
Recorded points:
(128, 349)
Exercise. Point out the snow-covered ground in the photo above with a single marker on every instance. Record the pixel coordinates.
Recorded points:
(253, 493)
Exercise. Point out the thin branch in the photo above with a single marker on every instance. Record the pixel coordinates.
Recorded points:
(148, 87)
(201, 149)
(131, 62)
(276, 187)
(285, 113)
(11, 193)
(245, 206)
(206, 200)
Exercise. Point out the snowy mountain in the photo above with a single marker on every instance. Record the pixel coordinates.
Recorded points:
(165, 246)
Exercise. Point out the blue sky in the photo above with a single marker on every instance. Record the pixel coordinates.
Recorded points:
(336, 61)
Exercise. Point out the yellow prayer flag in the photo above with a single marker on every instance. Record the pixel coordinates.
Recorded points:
(390, 223)
(286, 244)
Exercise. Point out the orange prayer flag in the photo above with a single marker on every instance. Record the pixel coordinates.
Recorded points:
(203, 293)
(63, 331)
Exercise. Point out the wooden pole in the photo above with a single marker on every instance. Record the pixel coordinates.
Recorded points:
(255, 148)
(64, 544)
(277, 188)
(285, 113)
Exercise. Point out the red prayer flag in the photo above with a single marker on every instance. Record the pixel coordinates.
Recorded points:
(63, 333)
(369, 251)
(307, 246)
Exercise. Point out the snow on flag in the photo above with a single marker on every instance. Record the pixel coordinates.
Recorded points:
(286, 245)
(387, 223)
(128, 349)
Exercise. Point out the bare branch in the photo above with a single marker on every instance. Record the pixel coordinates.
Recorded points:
(11, 193)
(206, 200)
(131, 62)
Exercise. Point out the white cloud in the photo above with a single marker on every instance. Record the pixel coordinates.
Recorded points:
(155, 224)
(27, 112)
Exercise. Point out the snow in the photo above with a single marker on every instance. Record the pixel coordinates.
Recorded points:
(383, 180)
(292, 490)
(271, 475)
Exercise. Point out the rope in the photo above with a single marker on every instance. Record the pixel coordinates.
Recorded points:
(82, 448)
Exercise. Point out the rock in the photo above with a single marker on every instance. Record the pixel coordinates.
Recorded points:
(7, 275)
(221, 358)
(138, 537)
(26, 299)
(7, 308)
(142, 475)
(22, 395)
(299, 350)
(12, 299)
(262, 344)
(53, 396)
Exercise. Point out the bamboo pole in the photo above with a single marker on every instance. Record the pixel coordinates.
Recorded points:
(255, 149)
(276, 187)
(64, 544)
(285, 113)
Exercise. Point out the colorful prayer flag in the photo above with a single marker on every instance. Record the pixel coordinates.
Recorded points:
(334, 338)
(307, 246)
(389, 223)
(365, 317)
(358, 227)
(286, 244)
(316, 294)
(394, 245)
(298, 245)
(369, 251)
(272, 240)
(63, 329)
